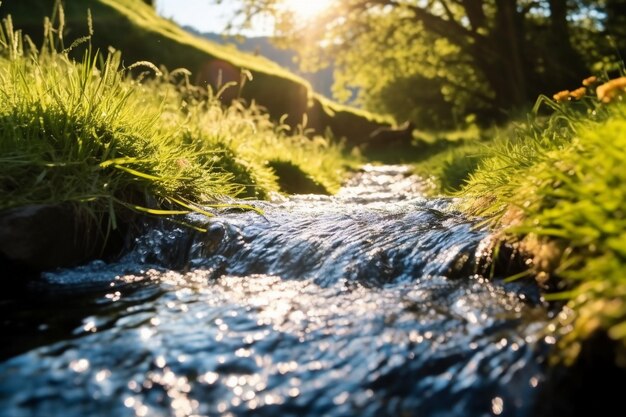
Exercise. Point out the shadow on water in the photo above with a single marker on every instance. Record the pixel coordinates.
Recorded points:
(369, 303)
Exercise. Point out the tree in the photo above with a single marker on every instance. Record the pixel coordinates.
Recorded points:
(485, 56)
(616, 24)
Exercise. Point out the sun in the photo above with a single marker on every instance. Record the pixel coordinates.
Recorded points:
(307, 9)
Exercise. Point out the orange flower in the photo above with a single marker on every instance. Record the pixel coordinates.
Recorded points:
(609, 90)
(578, 93)
(590, 81)
(183, 163)
(561, 96)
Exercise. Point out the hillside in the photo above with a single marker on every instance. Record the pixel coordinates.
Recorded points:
(321, 81)
(134, 28)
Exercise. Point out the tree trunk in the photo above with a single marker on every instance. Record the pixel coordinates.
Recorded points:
(519, 69)
(615, 27)
(505, 68)
(565, 66)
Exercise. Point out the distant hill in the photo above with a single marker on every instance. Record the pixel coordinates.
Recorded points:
(321, 81)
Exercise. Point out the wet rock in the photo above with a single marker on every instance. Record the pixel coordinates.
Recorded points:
(43, 237)
(592, 385)
(386, 137)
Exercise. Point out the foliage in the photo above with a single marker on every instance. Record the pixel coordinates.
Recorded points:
(559, 186)
(451, 166)
(91, 134)
(448, 58)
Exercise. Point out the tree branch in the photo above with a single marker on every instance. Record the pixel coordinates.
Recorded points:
(451, 30)
(449, 13)
(475, 13)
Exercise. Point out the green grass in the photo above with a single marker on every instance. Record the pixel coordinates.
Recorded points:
(450, 165)
(444, 158)
(134, 28)
(448, 158)
(557, 186)
(89, 133)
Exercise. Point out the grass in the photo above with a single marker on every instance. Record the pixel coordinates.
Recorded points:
(444, 158)
(556, 184)
(90, 134)
(448, 158)
(134, 27)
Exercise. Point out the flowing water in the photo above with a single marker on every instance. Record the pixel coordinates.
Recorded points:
(369, 303)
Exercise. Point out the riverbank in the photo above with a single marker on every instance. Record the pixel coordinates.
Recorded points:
(555, 186)
(91, 136)
(134, 27)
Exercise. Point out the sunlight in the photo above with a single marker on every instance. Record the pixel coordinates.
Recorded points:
(307, 9)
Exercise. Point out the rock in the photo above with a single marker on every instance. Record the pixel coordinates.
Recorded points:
(592, 386)
(43, 237)
(396, 137)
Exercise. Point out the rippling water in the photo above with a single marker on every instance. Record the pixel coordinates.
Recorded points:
(369, 303)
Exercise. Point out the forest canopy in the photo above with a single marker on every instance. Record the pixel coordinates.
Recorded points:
(442, 62)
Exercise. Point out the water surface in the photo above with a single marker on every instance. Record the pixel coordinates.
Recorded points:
(369, 303)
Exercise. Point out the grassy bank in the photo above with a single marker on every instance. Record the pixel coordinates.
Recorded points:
(89, 133)
(556, 185)
(134, 28)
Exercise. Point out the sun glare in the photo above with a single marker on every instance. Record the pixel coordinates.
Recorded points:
(307, 8)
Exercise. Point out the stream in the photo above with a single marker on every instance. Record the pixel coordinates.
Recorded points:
(374, 302)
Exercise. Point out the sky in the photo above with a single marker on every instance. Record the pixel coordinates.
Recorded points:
(202, 15)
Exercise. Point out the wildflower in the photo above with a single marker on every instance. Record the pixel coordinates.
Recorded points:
(183, 163)
(561, 96)
(590, 81)
(609, 90)
(578, 93)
